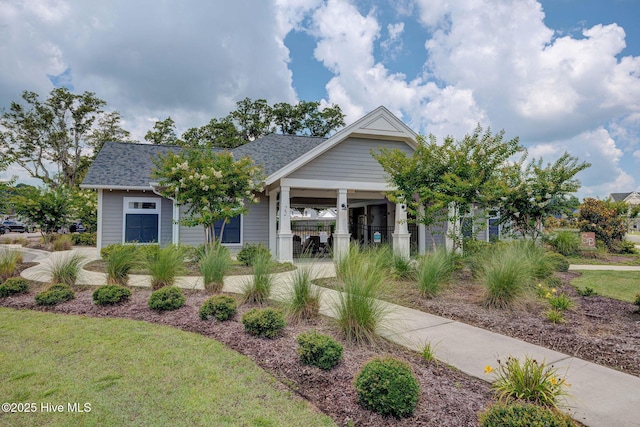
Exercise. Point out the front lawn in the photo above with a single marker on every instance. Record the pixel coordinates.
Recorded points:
(134, 373)
(621, 285)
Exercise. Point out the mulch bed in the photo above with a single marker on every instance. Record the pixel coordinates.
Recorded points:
(449, 397)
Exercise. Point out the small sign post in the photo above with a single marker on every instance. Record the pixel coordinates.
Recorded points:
(377, 237)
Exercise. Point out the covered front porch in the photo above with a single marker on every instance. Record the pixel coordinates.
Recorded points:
(363, 214)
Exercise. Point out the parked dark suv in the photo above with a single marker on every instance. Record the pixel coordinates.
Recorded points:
(10, 225)
(2, 229)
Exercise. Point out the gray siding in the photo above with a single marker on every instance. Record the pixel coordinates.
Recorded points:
(190, 235)
(439, 235)
(350, 160)
(256, 222)
(112, 216)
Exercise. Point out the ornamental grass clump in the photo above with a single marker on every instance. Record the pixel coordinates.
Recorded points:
(565, 242)
(318, 350)
(303, 302)
(388, 386)
(434, 271)
(505, 276)
(214, 263)
(529, 381)
(357, 308)
(122, 259)
(66, 269)
(111, 294)
(9, 260)
(165, 265)
(258, 288)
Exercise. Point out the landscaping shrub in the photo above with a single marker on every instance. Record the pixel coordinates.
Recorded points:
(9, 260)
(604, 220)
(220, 307)
(523, 415)
(318, 350)
(214, 263)
(164, 265)
(387, 386)
(555, 316)
(83, 239)
(589, 292)
(12, 286)
(111, 294)
(471, 247)
(61, 242)
(565, 242)
(265, 322)
(558, 261)
(358, 309)
(66, 269)
(250, 251)
(560, 302)
(622, 247)
(258, 288)
(402, 268)
(166, 299)
(122, 259)
(530, 381)
(55, 294)
(304, 300)
(434, 270)
(636, 302)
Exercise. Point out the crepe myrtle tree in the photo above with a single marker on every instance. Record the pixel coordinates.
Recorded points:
(212, 185)
(448, 181)
(531, 193)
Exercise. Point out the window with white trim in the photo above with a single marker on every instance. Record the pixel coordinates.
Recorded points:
(232, 230)
(141, 222)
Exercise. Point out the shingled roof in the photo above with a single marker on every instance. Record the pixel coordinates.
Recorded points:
(619, 197)
(129, 165)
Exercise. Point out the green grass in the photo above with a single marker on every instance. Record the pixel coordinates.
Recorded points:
(604, 259)
(621, 285)
(136, 374)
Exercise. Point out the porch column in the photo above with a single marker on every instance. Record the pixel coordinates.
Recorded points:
(451, 228)
(99, 225)
(422, 233)
(175, 224)
(273, 223)
(401, 236)
(341, 236)
(285, 238)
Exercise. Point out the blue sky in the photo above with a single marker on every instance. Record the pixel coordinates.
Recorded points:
(563, 75)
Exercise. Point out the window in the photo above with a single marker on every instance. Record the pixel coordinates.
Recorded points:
(232, 230)
(141, 220)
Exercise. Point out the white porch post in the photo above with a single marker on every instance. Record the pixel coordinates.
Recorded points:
(99, 225)
(285, 238)
(175, 225)
(273, 223)
(401, 236)
(341, 236)
(451, 227)
(422, 233)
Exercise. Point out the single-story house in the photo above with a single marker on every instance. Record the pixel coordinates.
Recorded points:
(338, 172)
(632, 199)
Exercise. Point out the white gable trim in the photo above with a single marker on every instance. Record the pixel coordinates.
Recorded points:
(378, 124)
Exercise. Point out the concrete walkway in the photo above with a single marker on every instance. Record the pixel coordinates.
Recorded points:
(599, 396)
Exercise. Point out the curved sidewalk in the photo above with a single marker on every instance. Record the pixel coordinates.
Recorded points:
(598, 396)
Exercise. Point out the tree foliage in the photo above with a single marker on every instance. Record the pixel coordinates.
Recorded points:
(212, 185)
(606, 221)
(252, 120)
(446, 181)
(532, 193)
(163, 133)
(52, 139)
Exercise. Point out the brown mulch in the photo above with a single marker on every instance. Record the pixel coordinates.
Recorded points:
(598, 329)
(448, 397)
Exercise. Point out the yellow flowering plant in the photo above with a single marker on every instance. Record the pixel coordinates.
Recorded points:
(530, 381)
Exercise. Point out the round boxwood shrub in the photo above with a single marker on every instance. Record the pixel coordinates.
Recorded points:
(250, 251)
(166, 299)
(111, 294)
(55, 295)
(220, 307)
(387, 386)
(318, 350)
(265, 322)
(523, 415)
(12, 286)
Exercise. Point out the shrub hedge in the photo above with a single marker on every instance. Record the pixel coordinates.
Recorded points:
(167, 299)
(12, 286)
(111, 294)
(220, 307)
(523, 415)
(265, 322)
(318, 350)
(55, 295)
